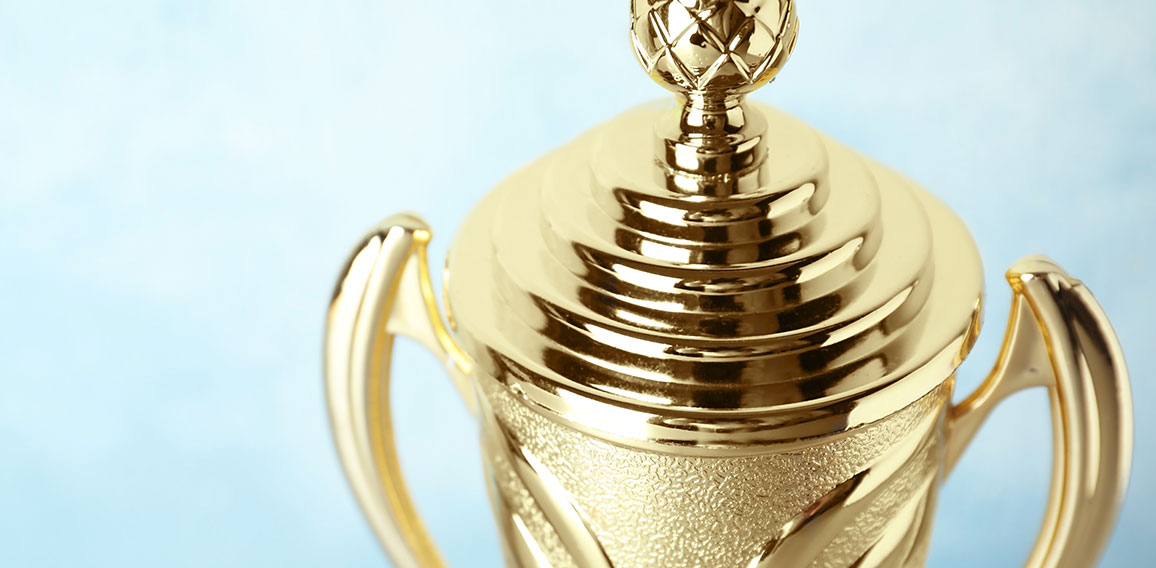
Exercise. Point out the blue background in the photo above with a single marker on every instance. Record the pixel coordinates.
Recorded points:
(180, 182)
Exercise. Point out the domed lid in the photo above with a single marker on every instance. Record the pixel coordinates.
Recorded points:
(716, 274)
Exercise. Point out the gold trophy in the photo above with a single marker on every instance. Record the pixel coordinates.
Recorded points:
(705, 334)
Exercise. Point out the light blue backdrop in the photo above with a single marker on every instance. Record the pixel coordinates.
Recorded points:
(180, 181)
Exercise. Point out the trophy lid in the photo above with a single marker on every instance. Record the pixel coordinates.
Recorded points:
(715, 274)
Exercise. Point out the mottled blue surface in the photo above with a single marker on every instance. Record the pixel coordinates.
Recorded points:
(180, 181)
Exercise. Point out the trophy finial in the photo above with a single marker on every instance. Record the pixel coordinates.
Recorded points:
(712, 49)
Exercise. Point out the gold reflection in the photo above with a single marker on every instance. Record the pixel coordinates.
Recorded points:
(715, 336)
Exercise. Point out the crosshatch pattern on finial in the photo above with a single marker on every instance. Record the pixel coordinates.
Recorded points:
(721, 46)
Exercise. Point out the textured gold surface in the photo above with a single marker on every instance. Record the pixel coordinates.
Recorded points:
(709, 335)
(663, 509)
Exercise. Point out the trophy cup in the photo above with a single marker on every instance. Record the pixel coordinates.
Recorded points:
(705, 334)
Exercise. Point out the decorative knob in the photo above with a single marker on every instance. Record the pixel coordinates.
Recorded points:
(709, 49)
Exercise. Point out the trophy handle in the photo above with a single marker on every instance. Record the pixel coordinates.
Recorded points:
(1059, 337)
(384, 290)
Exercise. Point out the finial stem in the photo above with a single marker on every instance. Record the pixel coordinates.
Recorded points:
(712, 53)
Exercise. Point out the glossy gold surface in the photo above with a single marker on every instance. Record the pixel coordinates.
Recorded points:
(581, 309)
(1059, 337)
(705, 334)
(384, 290)
(713, 47)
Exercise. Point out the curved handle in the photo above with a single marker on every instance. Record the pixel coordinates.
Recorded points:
(1059, 337)
(384, 290)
